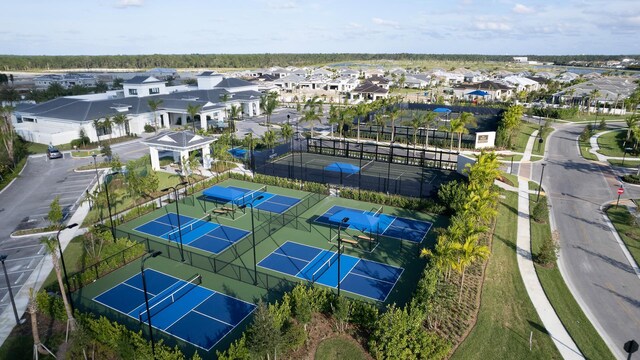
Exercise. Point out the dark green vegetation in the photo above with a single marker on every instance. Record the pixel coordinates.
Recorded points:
(575, 321)
(24, 62)
(507, 316)
(628, 228)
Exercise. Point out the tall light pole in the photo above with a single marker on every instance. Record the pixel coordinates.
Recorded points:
(95, 166)
(343, 221)
(146, 297)
(540, 183)
(64, 267)
(253, 236)
(106, 190)
(175, 193)
(626, 149)
(3, 257)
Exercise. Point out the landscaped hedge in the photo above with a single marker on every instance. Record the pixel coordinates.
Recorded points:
(283, 182)
(631, 179)
(416, 204)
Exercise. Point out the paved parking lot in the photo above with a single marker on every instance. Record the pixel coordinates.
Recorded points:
(25, 204)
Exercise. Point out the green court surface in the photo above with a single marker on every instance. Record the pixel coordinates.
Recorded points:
(231, 271)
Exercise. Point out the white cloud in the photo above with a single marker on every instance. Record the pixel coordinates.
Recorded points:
(129, 3)
(282, 5)
(383, 22)
(523, 9)
(492, 26)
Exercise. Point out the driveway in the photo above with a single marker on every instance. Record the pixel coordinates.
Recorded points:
(591, 260)
(25, 205)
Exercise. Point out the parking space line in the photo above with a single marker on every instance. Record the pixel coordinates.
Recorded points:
(20, 247)
(18, 279)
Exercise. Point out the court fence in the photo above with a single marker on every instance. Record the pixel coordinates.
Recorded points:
(222, 264)
(91, 273)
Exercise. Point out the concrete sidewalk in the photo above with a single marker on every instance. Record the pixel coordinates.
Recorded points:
(561, 338)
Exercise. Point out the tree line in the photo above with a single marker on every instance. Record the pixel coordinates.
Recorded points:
(39, 62)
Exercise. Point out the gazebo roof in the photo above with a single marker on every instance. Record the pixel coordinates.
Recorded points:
(179, 141)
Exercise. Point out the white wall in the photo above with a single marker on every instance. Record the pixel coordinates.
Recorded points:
(463, 160)
(485, 139)
(143, 89)
(208, 82)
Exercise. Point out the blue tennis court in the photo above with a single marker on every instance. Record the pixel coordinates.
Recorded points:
(198, 233)
(362, 277)
(388, 225)
(194, 314)
(240, 196)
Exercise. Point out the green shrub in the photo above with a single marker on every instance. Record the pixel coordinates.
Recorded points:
(602, 125)
(294, 337)
(631, 179)
(51, 305)
(540, 211)
(586, 133)
(423, 205)
(149, 128)
(453, 195)
(283, 182)
(548, 254)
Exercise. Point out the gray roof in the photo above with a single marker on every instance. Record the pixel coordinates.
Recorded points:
(87, 110)
(178, 139)
(233, 82)
(143, 80)
(368, 87)
(209, 73)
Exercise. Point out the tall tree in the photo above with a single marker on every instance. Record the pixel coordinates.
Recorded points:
(33, 314)
(7, 133)
(456, 126)
(107, 125)
(310, 116)
(380, 120)
(429, 122)
(631, 122)
(120, 121)
(268, 104)
(287, 133)
(193, 110)
(234, 114)
(269, 138)
(394, 114)
(55, 213)
(361, 110)
(468, 253)
(415, 122)
(51, 247)
(154, 104)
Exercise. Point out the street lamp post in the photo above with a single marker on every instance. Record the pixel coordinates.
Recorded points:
(343, 221)
(64, 267)
(253, 236)
(95, 166)
(106, 190)
(3, 257)
(540, 183)
(146, 297)
(175, 193)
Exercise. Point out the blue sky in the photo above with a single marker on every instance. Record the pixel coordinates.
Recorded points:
(92, 27)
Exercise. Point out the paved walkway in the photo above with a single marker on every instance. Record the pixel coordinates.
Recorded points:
(565, 344)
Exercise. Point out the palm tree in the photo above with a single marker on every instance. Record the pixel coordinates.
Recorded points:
(234, 114)
(310, 115)
(416, 122)
(380, 121)
(361, 110)
(394, 114)
(593, 96)
(456, 126)
(268, 103)
(33, 314)
(631, 122)
(50, 245)
(334, 116)
(269, 138)
(287, 133)
(486, 169)
(97, 125)
(120, 120)
(466, 118)
(154, 104)
(428, 121)
(107, 125)
(192, 110)
(468, 253)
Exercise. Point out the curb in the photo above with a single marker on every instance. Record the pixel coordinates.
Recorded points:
(19, 174)
(29, 235)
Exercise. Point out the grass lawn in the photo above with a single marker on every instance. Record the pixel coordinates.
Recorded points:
(507, 316)
(123, 201)
(72, 254)
(627, 163)
(611, 143)
(585, 146)
(630, 234)
(511, 179)
(7, 178)
(507, 158)
(526, 129)
(575, 321)
(592, 117)
(338, 348)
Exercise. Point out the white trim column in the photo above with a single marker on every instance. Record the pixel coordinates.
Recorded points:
(206, 157)
(155, 160)
(203, 121)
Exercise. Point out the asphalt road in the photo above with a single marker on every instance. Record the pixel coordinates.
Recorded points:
(25, 204)
(593, 263)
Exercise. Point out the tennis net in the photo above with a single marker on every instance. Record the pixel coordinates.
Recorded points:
(322, 269)
(188, 227)
(248, 197)
(367, 165)
(177, 291)
(378, 212)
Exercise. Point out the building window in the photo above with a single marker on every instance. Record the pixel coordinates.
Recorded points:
(133, 91)
(101, 130)
(154, 91)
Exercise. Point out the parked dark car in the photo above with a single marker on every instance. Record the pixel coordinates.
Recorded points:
(53, 153)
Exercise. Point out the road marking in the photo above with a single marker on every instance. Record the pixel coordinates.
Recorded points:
(20, 247)
(18, 279)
